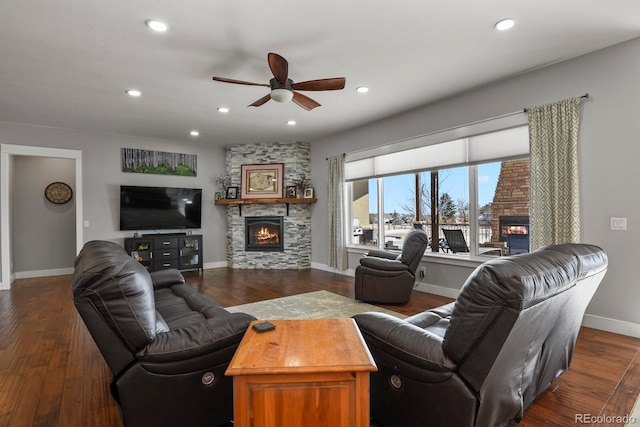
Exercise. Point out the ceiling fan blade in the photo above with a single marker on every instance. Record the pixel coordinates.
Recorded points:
(261, 101)
(304, 101)
(336, 83)
(279, 67)
(238, 82)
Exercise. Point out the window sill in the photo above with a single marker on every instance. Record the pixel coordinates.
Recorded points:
(432, 257)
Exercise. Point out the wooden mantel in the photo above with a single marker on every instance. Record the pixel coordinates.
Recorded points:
(286, 201)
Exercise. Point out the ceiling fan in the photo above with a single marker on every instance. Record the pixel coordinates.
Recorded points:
(283, 89)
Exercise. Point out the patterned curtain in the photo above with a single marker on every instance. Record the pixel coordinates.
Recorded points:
(555, 191)
(335, 188)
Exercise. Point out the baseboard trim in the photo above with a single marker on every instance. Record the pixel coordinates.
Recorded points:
(219, 264)
(611, 325)
(437, 290)
(43, 273)
(324, 267)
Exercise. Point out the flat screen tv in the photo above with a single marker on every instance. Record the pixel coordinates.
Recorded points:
(160, 208)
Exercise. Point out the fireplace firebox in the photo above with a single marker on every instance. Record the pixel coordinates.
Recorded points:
(513, 225)
(264, 234)
(515, 231)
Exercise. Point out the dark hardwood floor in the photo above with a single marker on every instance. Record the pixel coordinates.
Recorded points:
(52, 374)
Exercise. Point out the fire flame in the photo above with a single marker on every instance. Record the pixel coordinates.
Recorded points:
(265, 236)
(517, 229)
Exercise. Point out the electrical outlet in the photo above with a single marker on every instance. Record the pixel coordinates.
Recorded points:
(423, 271)
(618, 223)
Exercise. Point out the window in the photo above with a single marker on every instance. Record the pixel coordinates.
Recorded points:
(364, 195)
(475, 186)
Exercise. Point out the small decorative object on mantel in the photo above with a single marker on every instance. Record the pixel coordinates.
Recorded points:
(58, 193)
(290, 192)
(301, 185)
(262, 181)
(232, 193)
(224, 182)
(308, 193)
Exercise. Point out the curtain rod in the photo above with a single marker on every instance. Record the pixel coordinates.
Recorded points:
(585, 96)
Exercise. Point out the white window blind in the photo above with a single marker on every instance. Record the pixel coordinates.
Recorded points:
(434, 151)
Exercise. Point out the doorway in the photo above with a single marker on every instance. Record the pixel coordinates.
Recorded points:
(7, 153)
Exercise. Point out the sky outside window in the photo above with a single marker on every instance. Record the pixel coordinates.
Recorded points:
(398, 189)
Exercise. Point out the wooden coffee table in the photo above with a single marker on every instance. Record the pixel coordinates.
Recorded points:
(305, 373)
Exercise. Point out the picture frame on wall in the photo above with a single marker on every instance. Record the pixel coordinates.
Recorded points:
(232, 193)
(262, 181)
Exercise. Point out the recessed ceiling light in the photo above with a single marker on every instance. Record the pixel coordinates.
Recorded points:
(504, 24)
(291, 122)
(134, 92)
(362, 89)
(158, 26)
(223, 110)
(194, 133)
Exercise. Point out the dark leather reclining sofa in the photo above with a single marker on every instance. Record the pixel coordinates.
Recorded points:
(167, 345)
(482, 360)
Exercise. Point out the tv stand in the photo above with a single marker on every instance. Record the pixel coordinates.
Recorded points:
(160, 234)
(162, 251)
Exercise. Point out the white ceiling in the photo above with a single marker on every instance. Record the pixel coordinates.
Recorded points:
(67, 63)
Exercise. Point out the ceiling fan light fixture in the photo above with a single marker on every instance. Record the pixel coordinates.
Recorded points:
(133, 92)
(291, 122)
(281, 95)
(362, 89)
(223, 110)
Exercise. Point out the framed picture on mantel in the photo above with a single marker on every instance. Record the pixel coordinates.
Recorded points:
(262, 181)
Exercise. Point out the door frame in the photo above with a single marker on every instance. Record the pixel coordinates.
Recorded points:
(6, 151)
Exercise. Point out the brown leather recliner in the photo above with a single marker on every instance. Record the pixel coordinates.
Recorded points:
(387, 277)
(481, 360)
(167, 345)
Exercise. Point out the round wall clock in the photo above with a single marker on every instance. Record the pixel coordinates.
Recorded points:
(58, 193)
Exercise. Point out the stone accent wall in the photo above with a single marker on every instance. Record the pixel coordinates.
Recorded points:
(297, 226)
(512, 193)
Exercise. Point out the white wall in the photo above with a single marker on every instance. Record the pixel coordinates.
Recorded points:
(609, 151)
(102, 176)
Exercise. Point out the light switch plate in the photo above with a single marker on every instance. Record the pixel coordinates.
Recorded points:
(618, 223)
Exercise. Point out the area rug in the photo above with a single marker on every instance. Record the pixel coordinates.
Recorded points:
(310, 305)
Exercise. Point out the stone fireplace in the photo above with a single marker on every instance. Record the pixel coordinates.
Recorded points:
(295, 226)
(263, 233)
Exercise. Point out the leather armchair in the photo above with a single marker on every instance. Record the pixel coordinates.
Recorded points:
(166, 345)
(482, 360)
(387, 277)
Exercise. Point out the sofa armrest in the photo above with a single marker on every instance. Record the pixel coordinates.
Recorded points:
(404, 341)
(383, 264)
(432, 316)
(166, 278)
(198, 339)
(383, 254)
